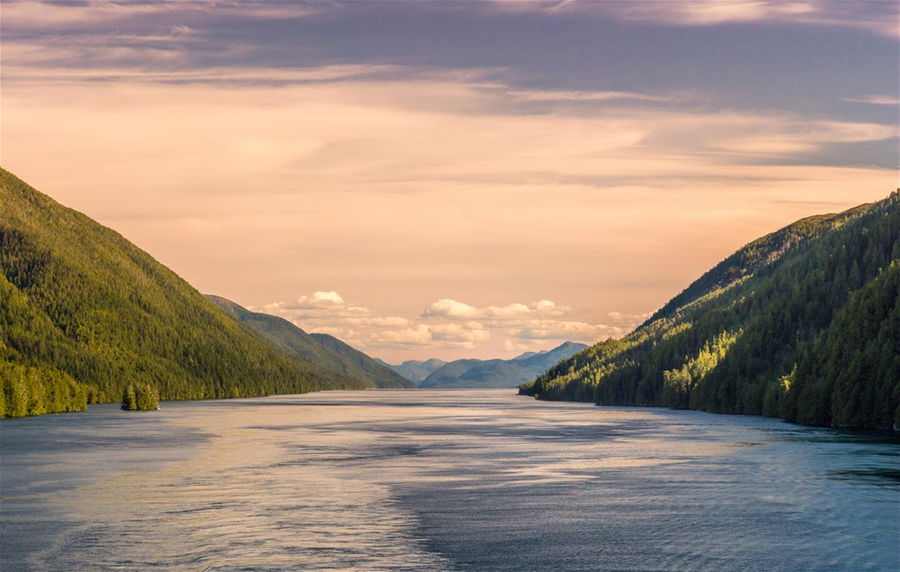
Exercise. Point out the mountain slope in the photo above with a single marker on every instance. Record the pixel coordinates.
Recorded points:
(801, 324)
(325, 351)
(416, 370)
(83, 313)
(353, 358)
(471, 373)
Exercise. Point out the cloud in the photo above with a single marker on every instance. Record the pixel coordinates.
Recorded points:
(626, 320)
(582, 96)
(452, 309)
(875, 17)
(43, 15)
(711, 12)
(403, 184)
(565, 330)
(330, 297)
(470, 332)
(875, 99)
(444, 325)
(338, 182)
(157, 58)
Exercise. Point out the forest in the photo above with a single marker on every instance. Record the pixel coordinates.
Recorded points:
(85, 314)
(802, 324)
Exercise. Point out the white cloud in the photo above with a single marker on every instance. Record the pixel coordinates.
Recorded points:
(453, 309)
(471, 332)
(450, 309)
(330, 297)
(446, 324)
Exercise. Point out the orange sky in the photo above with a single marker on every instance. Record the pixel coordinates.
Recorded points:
(420, 212)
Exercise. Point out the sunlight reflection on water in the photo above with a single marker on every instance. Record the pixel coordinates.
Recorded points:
(441, 480)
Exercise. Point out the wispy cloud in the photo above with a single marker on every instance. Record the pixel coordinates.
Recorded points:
(409, 186)
(229, 76)
(584, 96)
(875, 99)
(711, 12)
(877, 17)
(43, 15)
(455, 178)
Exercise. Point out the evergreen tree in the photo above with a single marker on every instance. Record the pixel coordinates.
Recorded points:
(815, 311)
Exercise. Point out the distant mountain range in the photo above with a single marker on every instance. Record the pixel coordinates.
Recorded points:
(415, 371)
(803, 323)
(84, 313)
(325, 351)
(494, 373)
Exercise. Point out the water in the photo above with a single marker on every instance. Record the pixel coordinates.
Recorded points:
(441, 480)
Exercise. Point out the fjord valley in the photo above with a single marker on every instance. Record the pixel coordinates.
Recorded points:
(447, 286)
(85, 314)
(802, 324)
(416, 370)
(493, 373)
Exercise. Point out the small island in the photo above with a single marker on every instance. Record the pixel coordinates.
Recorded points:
(140, 397)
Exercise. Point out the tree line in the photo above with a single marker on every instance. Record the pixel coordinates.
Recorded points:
(802, 324)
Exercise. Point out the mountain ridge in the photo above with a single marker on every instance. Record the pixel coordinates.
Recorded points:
(759, 332)
(324, 350)
(84, 313)
(416, 370)
(497, 373)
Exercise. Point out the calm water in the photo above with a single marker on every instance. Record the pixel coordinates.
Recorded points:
(441, 480)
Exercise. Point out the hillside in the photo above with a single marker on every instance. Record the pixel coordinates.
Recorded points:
(325, 351)
(382, 376)
(802, 324)
(497, 373)
(84, 313)
(414, 370)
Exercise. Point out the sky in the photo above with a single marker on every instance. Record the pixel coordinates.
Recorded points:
(450, 178)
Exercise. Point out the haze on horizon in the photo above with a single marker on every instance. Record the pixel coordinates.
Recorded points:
(450, 179)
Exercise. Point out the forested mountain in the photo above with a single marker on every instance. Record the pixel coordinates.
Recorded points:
(84, 313)
(470, 373)
(802, 324)
(382, 376)
(325, 351)
(416, 370)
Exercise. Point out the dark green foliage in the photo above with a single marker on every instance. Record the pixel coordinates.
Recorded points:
(856, 362)
(26, 390)
(139, 397)
(81, 305)
(327, 352)
(801, 324)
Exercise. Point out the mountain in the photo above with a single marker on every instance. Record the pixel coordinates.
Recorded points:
(497, 372)
(381, 375)
(84, 314)
(525, 355)
(803, 323)
(325, 351)
(416, 370)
